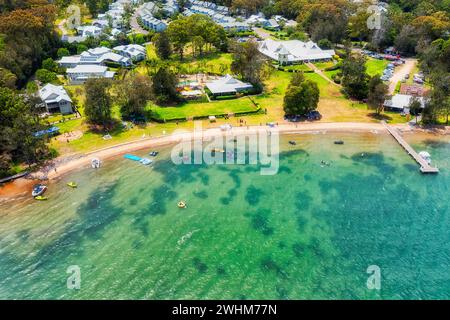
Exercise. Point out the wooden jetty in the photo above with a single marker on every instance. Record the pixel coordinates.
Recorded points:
(424, 166)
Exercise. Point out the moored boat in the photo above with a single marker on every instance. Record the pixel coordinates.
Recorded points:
(95, 163)
(38, 190)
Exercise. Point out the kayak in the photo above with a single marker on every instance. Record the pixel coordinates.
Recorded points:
(72, 184)
(40, 198)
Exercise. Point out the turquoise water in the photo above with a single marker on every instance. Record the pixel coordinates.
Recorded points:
(307, 232)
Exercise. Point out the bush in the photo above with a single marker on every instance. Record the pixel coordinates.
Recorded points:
(45, 76)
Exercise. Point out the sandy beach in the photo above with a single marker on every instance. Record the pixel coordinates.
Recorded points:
(65, 164)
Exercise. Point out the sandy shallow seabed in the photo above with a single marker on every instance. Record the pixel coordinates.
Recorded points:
(64, 165)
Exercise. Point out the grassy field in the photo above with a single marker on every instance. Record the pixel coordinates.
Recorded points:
(203, 109)
(213, 62)
(375, 66)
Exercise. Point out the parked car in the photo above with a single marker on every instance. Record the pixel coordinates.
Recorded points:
(314, 115)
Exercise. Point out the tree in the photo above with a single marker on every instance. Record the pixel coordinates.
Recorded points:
(45, 76)
(50, 65)
(179, 35)
(377, 94)
(81, 48)
(248, 62)
(7, 78)
(105, 43)
(163, 46)
(18, 124)
(354, 76)
(98, 101)
(134, 92)
(62, 52)
(165, 86)
(27, 35)
(302, 96)
(415, 107)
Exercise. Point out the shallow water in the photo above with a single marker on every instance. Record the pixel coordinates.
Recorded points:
(308, 232)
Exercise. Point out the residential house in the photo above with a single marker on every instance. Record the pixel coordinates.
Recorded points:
(227, 85)
(294, 51)
(237, 26)
(89, 31)
(95, 56)
(133, 51)
(81, 73)
(56, 99)
(152, 23)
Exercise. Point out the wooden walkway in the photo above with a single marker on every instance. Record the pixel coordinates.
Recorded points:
(424, 166)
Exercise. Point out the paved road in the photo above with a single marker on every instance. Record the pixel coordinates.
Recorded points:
(400, 73)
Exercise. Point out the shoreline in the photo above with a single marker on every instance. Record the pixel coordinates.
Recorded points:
(65, 164)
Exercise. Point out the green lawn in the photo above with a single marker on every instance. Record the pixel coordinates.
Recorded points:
(375, 66)
(212, 62)
(297, 67)
(203, 109)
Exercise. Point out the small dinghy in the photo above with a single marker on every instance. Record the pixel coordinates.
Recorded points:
(339, 142)
(38, 190)
(72, 184)
(181, 205)
(292, 143)
(146, 161)
(153, 153)
(425, 156)
(95, 163)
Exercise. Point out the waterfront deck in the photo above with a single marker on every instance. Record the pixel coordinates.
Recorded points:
(424, 166)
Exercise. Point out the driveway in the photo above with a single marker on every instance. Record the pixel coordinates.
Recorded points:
(261, 33)
(135, 25)
(400, 73)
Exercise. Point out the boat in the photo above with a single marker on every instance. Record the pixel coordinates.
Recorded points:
(72, 184)
(95, 163)
(218, 150)
(146, 161)
(153, 153)
(132, 157)
(292, 143)
(425, 156)
(38, 190)
(40, 198)
(181, 204)
(339, 142)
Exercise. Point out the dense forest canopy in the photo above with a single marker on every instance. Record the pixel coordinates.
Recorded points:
(27, 36)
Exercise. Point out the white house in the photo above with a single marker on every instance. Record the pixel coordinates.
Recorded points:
(89, 31)
(95, 56)
(81, 73)
(400, 102)
(227, 85)
(152, 23)
(294, 51)
(56, 99)
(238, 26)
(135, 52)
